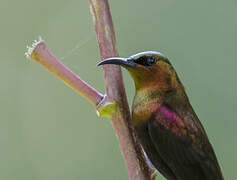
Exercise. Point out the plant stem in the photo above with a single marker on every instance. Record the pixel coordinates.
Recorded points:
(120, 119)
(41, 53)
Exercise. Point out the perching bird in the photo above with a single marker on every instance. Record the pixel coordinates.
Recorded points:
(164, 121)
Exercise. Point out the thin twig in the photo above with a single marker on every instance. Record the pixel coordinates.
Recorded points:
(121, 119)
(42, 54)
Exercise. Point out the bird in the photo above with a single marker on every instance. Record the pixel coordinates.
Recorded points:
(164, 121)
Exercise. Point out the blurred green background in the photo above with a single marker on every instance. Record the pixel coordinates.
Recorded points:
(48, 132)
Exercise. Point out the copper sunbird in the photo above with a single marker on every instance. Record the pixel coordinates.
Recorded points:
(164, 121)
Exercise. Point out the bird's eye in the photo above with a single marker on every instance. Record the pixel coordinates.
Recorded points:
(146, 60)
(151, 60)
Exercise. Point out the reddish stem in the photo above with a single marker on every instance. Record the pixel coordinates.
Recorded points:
(121, 119)
(45, 57)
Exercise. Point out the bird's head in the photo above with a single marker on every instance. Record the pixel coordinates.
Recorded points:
(148, 69)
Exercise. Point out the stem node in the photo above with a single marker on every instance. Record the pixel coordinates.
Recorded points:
(106, 107)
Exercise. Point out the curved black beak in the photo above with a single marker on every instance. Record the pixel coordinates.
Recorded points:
(125, 62)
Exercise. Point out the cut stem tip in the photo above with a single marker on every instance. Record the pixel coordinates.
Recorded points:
(31, 48)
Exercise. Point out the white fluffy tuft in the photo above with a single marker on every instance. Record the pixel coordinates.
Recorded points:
(31, 48)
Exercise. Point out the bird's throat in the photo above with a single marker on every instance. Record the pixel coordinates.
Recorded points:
(145, 103)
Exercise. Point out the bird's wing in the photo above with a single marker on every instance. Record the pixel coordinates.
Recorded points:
(183, 146)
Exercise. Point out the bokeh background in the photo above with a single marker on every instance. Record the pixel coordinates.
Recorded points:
(48, 132)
